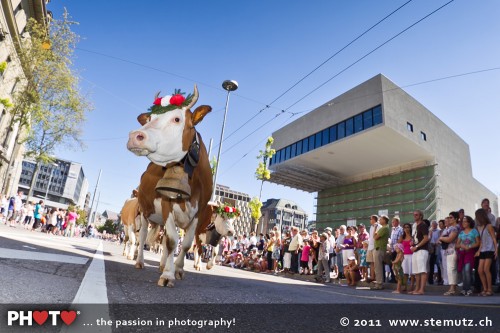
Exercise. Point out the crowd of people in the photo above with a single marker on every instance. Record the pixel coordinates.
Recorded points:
(36, 216)
(457, 250)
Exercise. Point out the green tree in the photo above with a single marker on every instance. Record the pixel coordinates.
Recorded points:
(109, 226)
(255, 205)
(262, 173)
(49, 106)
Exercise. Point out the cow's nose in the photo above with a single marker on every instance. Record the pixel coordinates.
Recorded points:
(230, 233)
(140, 136)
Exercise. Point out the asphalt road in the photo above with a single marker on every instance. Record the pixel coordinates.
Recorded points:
(91, 276)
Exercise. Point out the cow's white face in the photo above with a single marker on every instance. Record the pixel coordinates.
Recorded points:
(225, 227)
(160, 139)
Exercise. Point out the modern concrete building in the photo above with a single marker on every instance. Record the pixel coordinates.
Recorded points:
(60, 184)
(281, 213)
(374, 150)
(242, 225)
(14, 15)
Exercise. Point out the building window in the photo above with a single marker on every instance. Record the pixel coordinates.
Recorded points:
(377, 115)
(305, 145)
(311, 142)
(341, 130)
(367, 119)
(409, 126)
(325, 136)
(423, 136)
(299, 148)
(349, 127)
(318, 140)
(358, 123)
(333, 133)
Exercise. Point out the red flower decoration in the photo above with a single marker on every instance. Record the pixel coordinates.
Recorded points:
(227, 209)
(157, 101)
(177, 99)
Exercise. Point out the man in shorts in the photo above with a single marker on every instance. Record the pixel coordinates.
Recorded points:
(420, 256)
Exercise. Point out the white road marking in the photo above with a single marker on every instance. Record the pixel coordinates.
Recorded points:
(92, 291)
(41, 256)
(93, 287)
(29, 247)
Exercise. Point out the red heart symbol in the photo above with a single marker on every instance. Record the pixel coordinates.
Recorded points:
(68, 317)
(40, 316)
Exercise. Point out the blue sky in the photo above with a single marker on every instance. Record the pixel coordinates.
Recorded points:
(130, 50)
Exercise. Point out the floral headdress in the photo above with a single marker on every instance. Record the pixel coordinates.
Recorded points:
(170, 102)
(228, 212)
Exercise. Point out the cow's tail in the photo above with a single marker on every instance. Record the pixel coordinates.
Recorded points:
(152, 234)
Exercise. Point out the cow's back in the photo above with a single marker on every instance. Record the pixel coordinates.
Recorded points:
(129, 211)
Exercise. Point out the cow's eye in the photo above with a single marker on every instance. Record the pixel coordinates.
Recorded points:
(177, 119)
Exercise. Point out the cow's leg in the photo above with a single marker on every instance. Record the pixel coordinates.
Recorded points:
(125, 241)
(142, 240)
(169, 242)
(133, 242)
(163, 258)
(186, 245)
(197, 258)
(211, 260)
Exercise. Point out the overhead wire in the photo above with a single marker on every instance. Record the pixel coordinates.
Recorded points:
(369, 53)
(317, 67)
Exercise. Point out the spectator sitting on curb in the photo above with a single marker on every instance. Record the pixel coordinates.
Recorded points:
(352, 272)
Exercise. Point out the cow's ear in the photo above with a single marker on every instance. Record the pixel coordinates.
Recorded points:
(135, 193)
(200, 112)
(143, 118)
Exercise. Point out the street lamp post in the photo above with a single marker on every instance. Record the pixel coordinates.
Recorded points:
(54, 165)
(228, 85)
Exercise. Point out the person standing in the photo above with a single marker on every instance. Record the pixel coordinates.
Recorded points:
(371, 247)
(381, 239)
(18, 206)
(434, 234)
(488, 250)
(37, 214)
(294, 249)
(451, 253)
(323, 265)
(396, 233)
(420, 253)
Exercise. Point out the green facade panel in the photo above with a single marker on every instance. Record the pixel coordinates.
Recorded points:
(400, 193)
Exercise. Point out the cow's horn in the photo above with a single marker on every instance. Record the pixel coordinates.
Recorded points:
(157, 94)
(195, 97)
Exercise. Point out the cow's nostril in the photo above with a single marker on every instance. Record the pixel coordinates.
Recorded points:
(140, 137)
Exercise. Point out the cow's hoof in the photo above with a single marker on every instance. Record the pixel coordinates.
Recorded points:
(130, 257)
(209, 266)
(161, 268)
(138, 265)
(179, 275)
(162, 282)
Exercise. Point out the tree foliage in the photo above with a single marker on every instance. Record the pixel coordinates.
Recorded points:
(255, 205)
(109, 226)
(262, 172)
(49, 106)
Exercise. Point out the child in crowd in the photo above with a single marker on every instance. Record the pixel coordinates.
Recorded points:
(398, 269)
(304, 258)
(352, 272)
(363, 265)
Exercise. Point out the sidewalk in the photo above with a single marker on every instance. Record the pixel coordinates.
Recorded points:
(362, 285)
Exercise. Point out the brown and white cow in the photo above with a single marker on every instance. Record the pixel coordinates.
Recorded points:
(165, 140)
(220, 226)
(131, 221)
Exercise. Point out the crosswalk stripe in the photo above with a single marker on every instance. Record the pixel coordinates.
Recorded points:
(41, 256)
